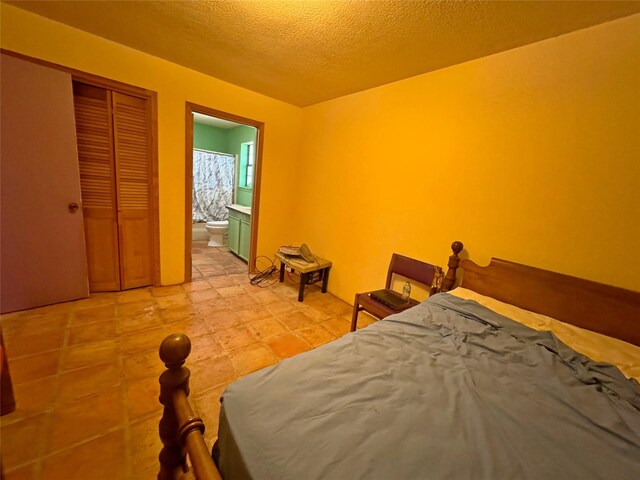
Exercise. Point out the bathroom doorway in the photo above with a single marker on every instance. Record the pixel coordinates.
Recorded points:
(222, 179)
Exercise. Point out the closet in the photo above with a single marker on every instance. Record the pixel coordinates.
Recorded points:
(114, 152)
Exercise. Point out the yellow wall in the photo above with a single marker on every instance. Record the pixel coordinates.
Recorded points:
(39, 37)
(532, 155)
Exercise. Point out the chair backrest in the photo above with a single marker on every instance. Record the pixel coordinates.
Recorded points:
(413, 269)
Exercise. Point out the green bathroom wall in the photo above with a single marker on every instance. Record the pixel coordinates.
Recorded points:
(208, 137)
(229, 140)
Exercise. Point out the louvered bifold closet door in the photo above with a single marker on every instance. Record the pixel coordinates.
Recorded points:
(98, 186)
(132, 141)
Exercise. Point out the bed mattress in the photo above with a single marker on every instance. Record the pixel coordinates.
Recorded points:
(446, 390)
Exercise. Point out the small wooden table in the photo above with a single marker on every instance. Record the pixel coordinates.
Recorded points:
(309, 272)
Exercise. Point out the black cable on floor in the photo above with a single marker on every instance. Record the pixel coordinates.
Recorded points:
(264, 278)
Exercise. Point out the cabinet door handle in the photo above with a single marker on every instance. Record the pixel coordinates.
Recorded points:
(73, 207)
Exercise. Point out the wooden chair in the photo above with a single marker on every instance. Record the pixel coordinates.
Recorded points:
(412, 269)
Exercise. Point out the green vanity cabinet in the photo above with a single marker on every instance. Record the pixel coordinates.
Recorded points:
(245, 238)
(233, 235)
(239, 234)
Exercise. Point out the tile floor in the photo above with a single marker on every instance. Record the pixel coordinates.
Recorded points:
(85, 373)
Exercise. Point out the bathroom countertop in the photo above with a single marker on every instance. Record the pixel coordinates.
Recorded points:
(240, 208)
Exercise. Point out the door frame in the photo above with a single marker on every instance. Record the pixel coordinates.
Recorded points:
(152, 98)
(192, 108)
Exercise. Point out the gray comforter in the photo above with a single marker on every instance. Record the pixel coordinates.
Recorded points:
(445, 390)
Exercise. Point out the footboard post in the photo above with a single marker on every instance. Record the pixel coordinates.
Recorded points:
(454, 261)
(173, 352)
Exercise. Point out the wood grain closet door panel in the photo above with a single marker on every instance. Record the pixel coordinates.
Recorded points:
(132, 141)
(98, 184)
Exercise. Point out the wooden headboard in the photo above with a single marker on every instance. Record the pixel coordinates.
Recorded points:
(595, 306)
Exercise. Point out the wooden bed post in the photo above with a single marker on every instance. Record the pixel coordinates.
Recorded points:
(174, 350)
(180, 430)
(454, 261)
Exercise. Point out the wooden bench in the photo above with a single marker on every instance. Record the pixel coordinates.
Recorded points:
(310, 272)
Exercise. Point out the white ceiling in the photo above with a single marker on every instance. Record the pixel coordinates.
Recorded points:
(214, 121)
(308, 51)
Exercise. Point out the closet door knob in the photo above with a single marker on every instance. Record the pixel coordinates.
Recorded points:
(73, 207)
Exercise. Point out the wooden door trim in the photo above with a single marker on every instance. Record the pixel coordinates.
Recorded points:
(152, 98)
(255, 203)
(86, 77)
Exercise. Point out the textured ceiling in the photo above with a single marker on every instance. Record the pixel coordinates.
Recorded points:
(307, 51)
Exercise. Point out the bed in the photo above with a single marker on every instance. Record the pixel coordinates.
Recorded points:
(454, 389)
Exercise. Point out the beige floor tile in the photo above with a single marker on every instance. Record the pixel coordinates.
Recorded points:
(180, 313)
(204, 295)
(211, 267)
(364, 320)
(252, 313)
(166, 291)
(78, 420)
(95, 300)
(265, 296)
(131, 324)
(32, 398)
(33, 367)
(218, 321)
(138, 307)
(236, 337)
(252, 357)
(192, 328)
(222, 281)
(287, 345)
(142, 397)
(39, 323)
(88, 354)
(26, 472)
(242, 301)
(211, 373)
(93, 314)
(109, 364)
(318, 313)
(339, 307)
(228, 292)
(23, 441)
(282, 307)
(145, 445)
(98, 459)
(143, 365)
(200, 259)
(267, 327)
(213, 306)
(316, 335)
(204, 347)
(92, 332)
(172, 301)
(196, 286)
(143, 340)
(337, 326)
(87, 381)
(296, 320)
(133, 295)
(213, 272)
(208, 408)
(33, 343)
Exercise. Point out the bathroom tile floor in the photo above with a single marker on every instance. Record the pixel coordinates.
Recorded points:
(85, 373)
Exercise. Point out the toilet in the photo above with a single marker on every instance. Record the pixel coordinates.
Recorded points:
(217, 233)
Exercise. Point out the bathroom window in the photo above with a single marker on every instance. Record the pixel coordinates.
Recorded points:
(247, 160)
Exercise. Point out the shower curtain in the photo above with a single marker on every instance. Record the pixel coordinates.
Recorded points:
(213, 174)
